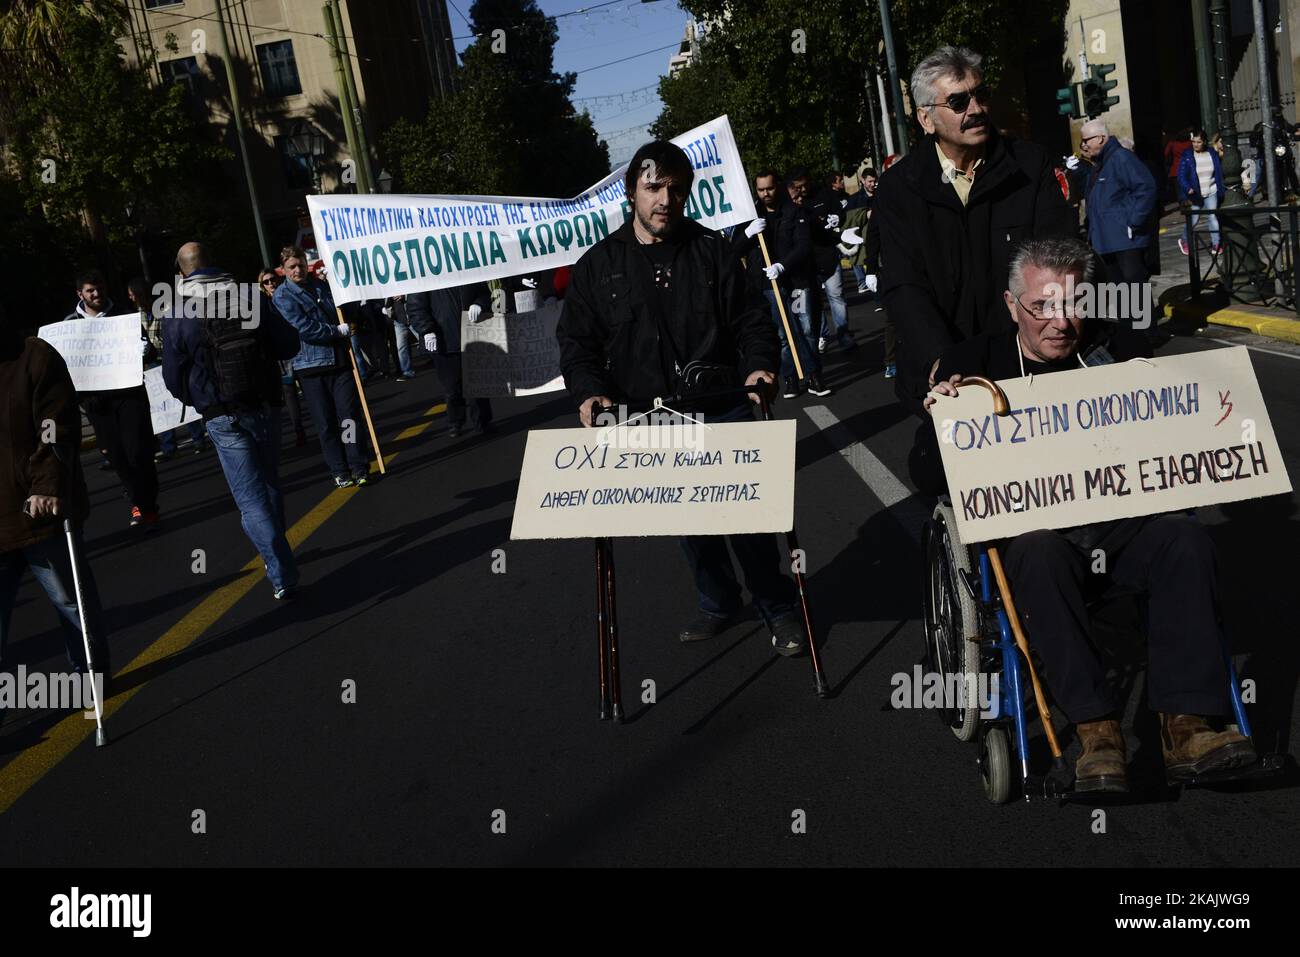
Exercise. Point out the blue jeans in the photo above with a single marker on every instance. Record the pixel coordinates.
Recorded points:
(799, 326)
(248, 445)
(405, 336)
(50, 567)
(167, 440)
(759, 556)
(1208, 202)
(833, 288)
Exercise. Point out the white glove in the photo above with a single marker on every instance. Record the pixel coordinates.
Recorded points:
(774, 271)
(832, 221)
(756, 227)
(144, 347)
(344, 330)
(387, 310)
(1130, 232)
(850, 237)
(430, 342)
(870, 282)
(474, 312)
(530, 283)
(1072, 162)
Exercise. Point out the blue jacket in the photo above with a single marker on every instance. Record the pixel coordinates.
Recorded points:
(1121, 193)
(1189, 184)
(185, 359)
(310, 309)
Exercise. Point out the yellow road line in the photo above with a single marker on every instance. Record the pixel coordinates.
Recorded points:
(29, 766)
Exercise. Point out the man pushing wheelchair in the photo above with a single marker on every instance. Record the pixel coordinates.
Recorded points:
(1167, 558)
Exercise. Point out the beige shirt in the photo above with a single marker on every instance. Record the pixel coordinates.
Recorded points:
(962, 180)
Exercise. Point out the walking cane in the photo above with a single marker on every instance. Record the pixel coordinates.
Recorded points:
(792, 545)
(1002, 407)
(611, 687)
(361, 391)
(101, 737)
(780, 306)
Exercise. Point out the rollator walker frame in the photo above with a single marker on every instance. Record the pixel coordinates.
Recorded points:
(611, 694)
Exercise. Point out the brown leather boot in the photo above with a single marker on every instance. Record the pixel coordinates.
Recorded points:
(1191, 746)
(1101, 766)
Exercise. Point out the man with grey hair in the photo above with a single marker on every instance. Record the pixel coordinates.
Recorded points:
(1120, 193)
(951, 215)
(1167, 558)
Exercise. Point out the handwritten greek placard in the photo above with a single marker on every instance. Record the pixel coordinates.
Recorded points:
(651, 479)
(1107, 442)
(101, 353)
(511, 355)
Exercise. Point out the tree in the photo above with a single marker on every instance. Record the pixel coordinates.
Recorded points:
(791, 74)
(511, 128)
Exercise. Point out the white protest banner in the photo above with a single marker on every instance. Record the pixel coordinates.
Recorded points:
(1108, 442)
(511, 355)
(650, 479)
(102, 353)
(164, 408)
(384, 245)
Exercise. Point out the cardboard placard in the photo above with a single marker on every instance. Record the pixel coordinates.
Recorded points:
(1108, 442)
(102, 353)
(649, 479)
(511, 355)
(164, 408)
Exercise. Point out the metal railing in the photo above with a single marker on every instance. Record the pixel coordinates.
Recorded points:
(1257, 259)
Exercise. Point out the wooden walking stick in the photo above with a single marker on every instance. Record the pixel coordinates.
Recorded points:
(1002, 407)
(361, 391)
(780, 306)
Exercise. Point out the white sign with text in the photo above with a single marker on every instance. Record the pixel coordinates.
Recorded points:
(102, 353)
(653, 479)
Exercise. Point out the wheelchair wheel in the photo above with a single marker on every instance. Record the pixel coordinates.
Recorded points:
(950, 617)
(995, 765)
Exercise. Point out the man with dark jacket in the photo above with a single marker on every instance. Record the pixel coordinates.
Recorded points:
(435, 316)
(322, 369)
(785, 229)
(951, 214)
(1121, 195)
(224, 361)
(826, 207)
(1168, 557)
(120, 417)
(657, 294)
(41, 485)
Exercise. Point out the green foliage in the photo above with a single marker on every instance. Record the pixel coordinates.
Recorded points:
(510, 129)
(789, 107)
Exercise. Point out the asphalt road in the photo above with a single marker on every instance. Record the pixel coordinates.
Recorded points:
(475, 691)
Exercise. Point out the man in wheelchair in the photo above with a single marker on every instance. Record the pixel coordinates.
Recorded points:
(1167, 558)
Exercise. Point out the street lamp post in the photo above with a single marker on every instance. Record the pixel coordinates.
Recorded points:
(309, 143)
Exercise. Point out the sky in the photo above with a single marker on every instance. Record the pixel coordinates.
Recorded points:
(621, 97)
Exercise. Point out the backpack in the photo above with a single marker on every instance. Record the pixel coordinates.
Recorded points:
(237, 362)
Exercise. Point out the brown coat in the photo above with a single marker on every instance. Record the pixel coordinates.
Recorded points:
(36, 390)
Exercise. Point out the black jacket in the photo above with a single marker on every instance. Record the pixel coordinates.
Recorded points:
(610, 341)
(943, 267)
(439, 312)
(787, 239)
(825, 239)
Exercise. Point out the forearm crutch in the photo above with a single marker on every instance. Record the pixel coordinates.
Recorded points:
(1002, 407)
(611, 692)
(361, 391)
(780, 307)
(792, 545)
(101, 737)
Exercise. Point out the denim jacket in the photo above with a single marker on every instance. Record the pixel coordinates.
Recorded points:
(310, 310)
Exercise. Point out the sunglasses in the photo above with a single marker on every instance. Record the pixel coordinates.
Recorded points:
(960, 102)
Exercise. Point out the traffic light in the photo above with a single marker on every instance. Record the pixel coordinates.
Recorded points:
(1096, 100)
(1067, 101)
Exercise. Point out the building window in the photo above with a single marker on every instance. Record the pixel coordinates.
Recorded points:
(279, 69)
(155, 4)
(297, 169)
(184, 71)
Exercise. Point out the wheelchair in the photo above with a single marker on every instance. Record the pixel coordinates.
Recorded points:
(971, 636)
